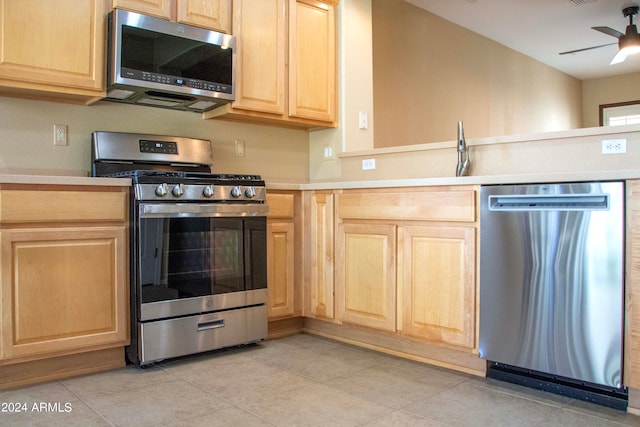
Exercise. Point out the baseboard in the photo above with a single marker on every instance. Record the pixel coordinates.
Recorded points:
(55, 368)
(285, 327)
(461, 360)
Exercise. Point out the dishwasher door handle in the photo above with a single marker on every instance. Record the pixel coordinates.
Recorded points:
(567, 202)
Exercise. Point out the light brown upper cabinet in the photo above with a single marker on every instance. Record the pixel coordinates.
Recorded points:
(210, 14)
(286, 63)
(53, 49)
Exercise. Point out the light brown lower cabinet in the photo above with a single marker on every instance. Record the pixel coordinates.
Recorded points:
(280, 268)
(631, 377)
(64, 281)
(319, 254)
(406, 262)
(62, 289)
(366, 275)
(437, 281)
(405, 272)
(283, 255)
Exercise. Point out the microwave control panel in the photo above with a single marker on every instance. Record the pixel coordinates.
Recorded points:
(175, 81)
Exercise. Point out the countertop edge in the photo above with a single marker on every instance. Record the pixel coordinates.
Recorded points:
(64, 180)
(466, 180)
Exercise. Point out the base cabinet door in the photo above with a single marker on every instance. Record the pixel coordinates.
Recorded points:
(283, 259)
(366, 275)
(437, 281)
(280, 268)
(319, 260)
(63, 289)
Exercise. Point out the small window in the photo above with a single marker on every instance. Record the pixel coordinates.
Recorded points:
(626, 113)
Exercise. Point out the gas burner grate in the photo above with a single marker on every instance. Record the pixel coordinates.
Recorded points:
(183, 174)
(144, 172)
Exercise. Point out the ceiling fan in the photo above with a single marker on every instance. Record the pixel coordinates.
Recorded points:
(628, 43)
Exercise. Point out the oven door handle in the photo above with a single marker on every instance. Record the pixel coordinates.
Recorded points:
(178, 210)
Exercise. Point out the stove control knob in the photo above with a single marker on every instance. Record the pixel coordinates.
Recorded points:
(208, 191)
(162, 190)
(250, 192)
(236, 192)
(178, 190)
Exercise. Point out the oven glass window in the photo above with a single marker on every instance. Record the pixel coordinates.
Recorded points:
(191, 257)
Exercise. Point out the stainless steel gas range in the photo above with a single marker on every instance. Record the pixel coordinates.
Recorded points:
(198, 246)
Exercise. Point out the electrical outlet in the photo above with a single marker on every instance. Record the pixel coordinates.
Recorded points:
(614, 146)
(240, 145)
(368, 164)
(60, 135)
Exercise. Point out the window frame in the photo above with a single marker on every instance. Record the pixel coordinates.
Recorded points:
(604, 107)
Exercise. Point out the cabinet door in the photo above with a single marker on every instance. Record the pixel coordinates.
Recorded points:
(632, 285)
(63, 289)
(260, 26)
(211, 14)
(366, 275)
(56, 46)
(280, 268)
(437, 278)
(320, 257)
(312, 60)
(158, 8)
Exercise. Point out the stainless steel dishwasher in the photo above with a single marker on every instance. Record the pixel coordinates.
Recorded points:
(552, 287)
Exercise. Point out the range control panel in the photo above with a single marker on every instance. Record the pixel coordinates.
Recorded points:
(164, 147)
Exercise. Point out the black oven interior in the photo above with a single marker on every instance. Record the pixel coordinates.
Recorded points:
(193, 257)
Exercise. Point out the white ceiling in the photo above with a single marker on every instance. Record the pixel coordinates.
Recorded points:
(543, 28)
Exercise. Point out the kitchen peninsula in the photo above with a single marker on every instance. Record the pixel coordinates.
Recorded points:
(360, 237)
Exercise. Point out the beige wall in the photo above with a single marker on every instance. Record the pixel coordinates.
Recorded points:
(519, 96)
(26, 138)
(355, 92)
(429, 73)
(608, 90)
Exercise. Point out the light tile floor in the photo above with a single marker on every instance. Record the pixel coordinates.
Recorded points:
(300, 380)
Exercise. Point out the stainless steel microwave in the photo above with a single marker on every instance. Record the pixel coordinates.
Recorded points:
(166, 64)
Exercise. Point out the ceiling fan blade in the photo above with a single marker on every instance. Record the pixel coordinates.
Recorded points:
(620, 57)
(586, 48)
(609, 31)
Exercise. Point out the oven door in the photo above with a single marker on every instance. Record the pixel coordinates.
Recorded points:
(198, 258)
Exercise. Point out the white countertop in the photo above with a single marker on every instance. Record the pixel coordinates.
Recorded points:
(63, 180)
(466, 180)
(337, 185)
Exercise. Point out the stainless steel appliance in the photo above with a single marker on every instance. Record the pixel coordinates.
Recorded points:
(158, 63)
(552, 285)
(198, 246)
